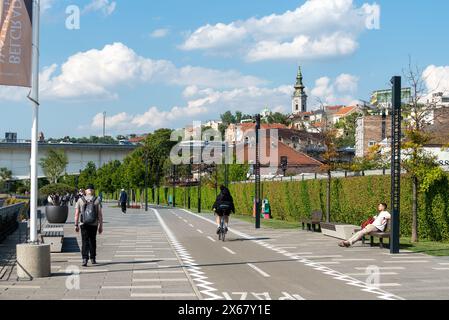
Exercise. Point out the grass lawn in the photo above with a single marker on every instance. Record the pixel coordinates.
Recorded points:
(428, 247)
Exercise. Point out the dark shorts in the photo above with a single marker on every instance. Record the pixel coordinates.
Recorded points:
(223, 213)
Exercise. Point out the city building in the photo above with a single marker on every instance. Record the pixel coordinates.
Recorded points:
(370, 131)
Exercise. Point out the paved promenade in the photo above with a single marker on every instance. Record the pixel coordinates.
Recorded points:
(174, 254)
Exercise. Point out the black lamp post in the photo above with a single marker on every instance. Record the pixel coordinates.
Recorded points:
(257, 174)
(174, 185)
(146, 182)
(396, 119)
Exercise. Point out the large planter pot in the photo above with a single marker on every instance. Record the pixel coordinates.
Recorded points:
(57, 215)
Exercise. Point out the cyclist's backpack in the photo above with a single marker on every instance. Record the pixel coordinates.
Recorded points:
(90, 214)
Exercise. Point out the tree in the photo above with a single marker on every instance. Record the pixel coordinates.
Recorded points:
(5, 175)
(88, 175)
(278, 117)
(420, 164)
(348, 125)
(330, 157)
(54, 165)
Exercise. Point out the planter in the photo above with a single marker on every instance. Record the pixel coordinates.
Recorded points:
(57, 215)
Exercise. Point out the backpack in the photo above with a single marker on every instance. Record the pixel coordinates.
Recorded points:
(367, 222)
(90, 214)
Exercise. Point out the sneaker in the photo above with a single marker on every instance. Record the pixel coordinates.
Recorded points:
(218, 230)
(94, 261)
(226, 229)
(84, 263)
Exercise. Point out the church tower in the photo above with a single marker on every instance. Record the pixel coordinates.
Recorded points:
(299, 99)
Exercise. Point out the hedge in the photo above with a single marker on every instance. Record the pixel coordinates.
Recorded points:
(353, 200)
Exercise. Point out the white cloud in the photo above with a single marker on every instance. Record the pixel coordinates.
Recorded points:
(107, 7)
(202, 104)
(317, 29)
(159, 33)
(436, 79)
(97, 73)
(335, 92)
(46, 5)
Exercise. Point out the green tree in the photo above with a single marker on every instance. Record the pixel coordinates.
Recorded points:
(420, 164)
(54, 165)
(5, 175)
(348, 125)
(88, 175)
(278, 117)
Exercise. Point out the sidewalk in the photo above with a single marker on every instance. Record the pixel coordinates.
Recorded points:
(135, 260)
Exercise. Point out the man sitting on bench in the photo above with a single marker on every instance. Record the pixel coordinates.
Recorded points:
(379, 225)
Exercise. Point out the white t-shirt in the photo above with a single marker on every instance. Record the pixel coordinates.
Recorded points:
(381, 220)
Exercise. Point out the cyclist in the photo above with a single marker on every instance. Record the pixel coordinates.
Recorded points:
(223, 206)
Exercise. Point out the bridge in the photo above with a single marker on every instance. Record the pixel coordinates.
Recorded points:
(16, 156)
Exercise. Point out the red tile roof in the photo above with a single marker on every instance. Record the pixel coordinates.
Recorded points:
(345, 110)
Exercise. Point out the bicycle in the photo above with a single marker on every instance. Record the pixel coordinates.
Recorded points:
(222, 233)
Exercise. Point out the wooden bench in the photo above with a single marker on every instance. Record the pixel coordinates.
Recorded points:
(380, 235)
(315, 220)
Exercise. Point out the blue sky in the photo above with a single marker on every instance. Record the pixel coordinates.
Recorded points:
(152, 64)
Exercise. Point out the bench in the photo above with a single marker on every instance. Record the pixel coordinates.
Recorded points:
(53, 234)
(315, 220)
(380, 235)
(337, 230)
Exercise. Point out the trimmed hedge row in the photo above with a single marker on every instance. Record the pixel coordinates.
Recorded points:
(353, 200)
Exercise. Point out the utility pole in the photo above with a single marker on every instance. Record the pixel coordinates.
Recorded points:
(104, 124)
(396, 121)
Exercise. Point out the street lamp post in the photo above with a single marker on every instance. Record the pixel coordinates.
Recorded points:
(146, 183)
(396, 120)
(199, 187)
(257, 173)
(174, 185)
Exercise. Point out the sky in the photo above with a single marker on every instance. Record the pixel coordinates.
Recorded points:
(157, 64)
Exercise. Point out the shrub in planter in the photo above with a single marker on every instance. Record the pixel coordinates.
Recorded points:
(57, 210)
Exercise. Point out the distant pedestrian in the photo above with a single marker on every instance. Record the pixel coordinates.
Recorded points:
(123, 200)
(89, 219)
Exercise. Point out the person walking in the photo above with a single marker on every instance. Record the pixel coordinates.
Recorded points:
(89, 220)
(123, 200)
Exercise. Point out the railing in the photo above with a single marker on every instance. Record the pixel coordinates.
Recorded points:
(8, 219)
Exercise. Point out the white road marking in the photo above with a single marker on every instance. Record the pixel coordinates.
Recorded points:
(199, 231)
(349, 260)
(388, 285)
(382, 268)
(19, 287)
(320, 257)
(444, 264)
(161, 280)
(264, 274)
(441, 269)
(162, 295)
(366, 274)
(94, 271)
(407, 261)
(155, 272)
(325, 263)
(211, 239)
(229, 250)
(134, 256)
(136, 251)
(191, 225)
(130, 287)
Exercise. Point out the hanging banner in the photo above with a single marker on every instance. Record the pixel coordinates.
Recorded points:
(16, 42)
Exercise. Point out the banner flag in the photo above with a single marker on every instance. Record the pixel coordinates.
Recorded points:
(16, 42)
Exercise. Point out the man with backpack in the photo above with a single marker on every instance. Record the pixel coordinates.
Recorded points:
(89, 220)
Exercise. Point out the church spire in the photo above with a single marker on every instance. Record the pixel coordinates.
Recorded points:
(299, 103)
